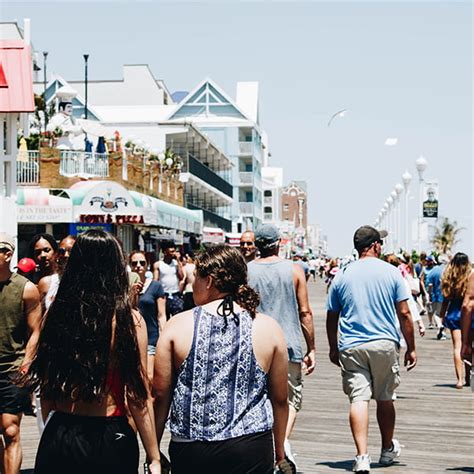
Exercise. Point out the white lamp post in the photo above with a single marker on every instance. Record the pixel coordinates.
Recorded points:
(399, 191)
(396, 227)
(406, 178)
(161, 159)
(421, 165)
(389, 202)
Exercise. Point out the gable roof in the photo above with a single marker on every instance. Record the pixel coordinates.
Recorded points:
(208, 99)
(16, 89)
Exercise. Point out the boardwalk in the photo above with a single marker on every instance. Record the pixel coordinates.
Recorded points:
(435, 421)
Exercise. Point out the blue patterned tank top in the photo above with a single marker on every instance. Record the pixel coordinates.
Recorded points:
(221, 391)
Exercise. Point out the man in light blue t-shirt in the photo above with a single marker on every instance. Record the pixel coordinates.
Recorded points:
(364, 302)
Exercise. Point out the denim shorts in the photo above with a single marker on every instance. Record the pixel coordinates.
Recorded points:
(151, 350)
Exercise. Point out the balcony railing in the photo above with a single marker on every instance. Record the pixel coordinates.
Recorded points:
(203, 172)
(27, 168)
(267, 200)
(267, 216)
(245, 148)
(211, 216)
(245, 178)
(81, 163)
(246, 208)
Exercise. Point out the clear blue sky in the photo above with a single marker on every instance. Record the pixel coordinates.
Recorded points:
(403, 69)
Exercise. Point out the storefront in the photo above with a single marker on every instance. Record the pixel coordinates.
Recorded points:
(42, 210)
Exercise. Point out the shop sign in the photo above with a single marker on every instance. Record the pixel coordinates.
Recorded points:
(48, 214)
(110, 219)
(213, 237)
(75, 229)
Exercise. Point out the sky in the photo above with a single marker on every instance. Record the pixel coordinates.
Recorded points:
(402, 69)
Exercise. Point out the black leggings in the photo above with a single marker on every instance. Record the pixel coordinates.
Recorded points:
(87, 445)
(242, 455)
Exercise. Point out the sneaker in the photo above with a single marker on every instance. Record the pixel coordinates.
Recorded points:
(362, 464)
(431, 326)
(441, 336)
(388, 456)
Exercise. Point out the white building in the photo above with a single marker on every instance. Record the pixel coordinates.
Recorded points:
(272, 183)
(233, 125)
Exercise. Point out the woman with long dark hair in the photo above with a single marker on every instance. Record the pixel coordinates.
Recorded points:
(221, 373)
(453, 285)
(90, 360)
(42, 249)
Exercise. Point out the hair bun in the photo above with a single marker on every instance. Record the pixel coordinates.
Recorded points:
(248, 298)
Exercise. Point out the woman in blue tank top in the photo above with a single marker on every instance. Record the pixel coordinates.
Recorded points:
(454, 285)
(221, 375)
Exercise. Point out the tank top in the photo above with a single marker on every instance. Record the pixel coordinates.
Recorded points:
(273, 281)
(221, 391)
(52, 291)
(169, 276)
(13, 328)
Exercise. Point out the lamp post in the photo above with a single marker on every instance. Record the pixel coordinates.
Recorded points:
(396, 228)
(399, 190)
(387, 221)
(161, 159)
(45, 57)
(421, 165)
(406, 178)
(86, 59)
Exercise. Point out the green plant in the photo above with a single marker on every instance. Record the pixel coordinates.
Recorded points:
(446, 235)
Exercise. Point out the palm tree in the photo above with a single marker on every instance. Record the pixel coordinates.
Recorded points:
(446, 235)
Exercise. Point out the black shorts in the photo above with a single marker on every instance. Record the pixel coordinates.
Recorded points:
(242, 455)
(13, 399)
(87, 445)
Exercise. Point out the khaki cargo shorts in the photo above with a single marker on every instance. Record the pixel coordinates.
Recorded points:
(370, 370)
(295, 385)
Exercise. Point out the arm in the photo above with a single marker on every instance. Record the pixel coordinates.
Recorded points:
(43, 287)
(306, 317)
(156, 271)
(32, 310)
(332, 323)
(161, 305)
(143, 416)
(406, 326)
(179, 269)
(444, 309)
(467, 311)
(163, 379)
(278, 393)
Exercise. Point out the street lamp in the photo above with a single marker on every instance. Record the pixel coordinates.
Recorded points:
(399, 191)
(389, 203)
(396, 223)
(86, 59)
(421, 165)
(161, 159)
(45, 57)
(406, 178)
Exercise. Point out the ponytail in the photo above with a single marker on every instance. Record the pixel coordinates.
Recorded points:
(248, 298)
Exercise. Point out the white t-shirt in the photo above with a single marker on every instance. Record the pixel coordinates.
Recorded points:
(169, 276)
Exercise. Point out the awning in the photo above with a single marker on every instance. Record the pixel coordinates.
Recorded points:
(37, 205)
(16, 83)
(104, 202)
(164, 214)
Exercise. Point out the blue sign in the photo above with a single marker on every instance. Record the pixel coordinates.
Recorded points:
(75, 229)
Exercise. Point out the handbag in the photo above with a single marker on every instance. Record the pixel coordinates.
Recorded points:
(414, 284)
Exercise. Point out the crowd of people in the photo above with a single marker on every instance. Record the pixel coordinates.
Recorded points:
(212, 347)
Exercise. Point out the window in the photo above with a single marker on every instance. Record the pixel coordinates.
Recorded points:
(267, 209)
(267, 193)
(286, 207)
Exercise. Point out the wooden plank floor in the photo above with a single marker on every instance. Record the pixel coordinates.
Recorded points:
(435, 422)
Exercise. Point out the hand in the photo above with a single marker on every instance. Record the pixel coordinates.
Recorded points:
(136, 288)
(334, 357)
(421, 328)
(466, 353)
(410, 359)
(309, 361)
(155, 467)
(279, 455)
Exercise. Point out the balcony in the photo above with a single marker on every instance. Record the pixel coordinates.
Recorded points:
(245, 148)
(246, 208)
(267, 200)
(27, 168)
(211, 217)
(267, 216)
(246, 178)
(80, 163)
(203, 172)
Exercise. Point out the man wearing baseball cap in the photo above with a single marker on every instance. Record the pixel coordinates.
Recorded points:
(364, 302)
(20, 317)
(281, 285)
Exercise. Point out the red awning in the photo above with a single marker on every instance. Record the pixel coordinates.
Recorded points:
(16, 83)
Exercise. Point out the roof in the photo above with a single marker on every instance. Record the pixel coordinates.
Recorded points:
(16, 90)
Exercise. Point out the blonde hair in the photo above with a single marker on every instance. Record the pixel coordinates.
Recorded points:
(456, 276)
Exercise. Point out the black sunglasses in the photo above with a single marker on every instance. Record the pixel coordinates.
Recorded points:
(142, 263)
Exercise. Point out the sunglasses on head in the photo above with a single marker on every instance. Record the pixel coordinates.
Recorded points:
(142, 263)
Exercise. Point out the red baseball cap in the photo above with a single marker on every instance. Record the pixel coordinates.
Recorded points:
(26, 265)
